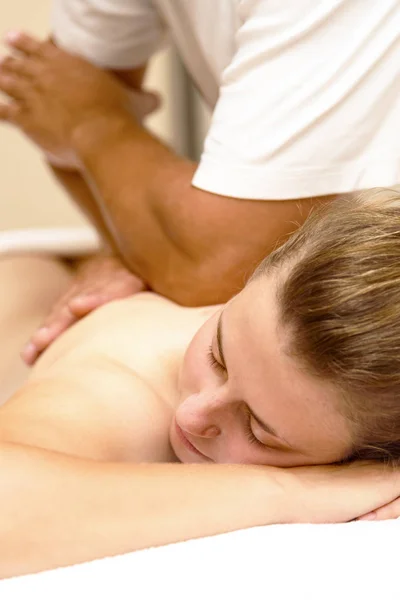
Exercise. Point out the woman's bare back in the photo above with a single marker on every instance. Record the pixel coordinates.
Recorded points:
(107, 388)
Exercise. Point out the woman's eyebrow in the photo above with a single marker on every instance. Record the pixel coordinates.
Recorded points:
(219, 342)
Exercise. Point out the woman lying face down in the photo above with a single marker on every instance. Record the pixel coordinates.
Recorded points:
(302, 367)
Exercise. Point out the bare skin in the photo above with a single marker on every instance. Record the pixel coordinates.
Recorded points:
(42, 281)
(97, 281)
(149, 228)
(102, 399)
(102, 278)
(143, 190)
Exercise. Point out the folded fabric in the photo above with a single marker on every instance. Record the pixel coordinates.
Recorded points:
(64, 241)
(350, 561)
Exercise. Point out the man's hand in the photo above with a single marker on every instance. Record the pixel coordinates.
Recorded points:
(99, 280)
(54, 93)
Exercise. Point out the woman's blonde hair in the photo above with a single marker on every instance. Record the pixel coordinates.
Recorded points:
(338, 291)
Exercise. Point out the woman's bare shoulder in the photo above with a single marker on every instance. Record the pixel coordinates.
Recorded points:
(107, 387)
(95, 410)
(126, 329)
(154, 302)
(108, 381)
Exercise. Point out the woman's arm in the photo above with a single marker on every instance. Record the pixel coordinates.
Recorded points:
(57, 510)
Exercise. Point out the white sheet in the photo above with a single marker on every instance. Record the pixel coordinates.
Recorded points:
(354, 561)
(62, 241)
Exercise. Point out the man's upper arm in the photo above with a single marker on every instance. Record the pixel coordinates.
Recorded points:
(221, 238)
(114, 34)
(309, 103)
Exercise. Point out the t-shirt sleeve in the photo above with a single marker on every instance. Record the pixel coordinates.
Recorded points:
(309, 104)
(116, 34)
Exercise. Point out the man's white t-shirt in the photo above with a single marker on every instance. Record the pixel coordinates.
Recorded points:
(306, 93)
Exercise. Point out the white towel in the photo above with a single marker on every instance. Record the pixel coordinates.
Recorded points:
(354, 561)
(64, 241)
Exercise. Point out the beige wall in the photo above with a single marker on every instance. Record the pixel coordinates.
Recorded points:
(28, 196)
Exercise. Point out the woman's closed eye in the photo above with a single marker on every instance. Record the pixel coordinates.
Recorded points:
(220, 369)
(250, 434)
(212, 361)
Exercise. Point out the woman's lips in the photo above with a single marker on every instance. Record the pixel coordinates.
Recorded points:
(186, 442)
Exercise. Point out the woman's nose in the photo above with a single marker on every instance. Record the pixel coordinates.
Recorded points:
(210, 432)
(200, 415)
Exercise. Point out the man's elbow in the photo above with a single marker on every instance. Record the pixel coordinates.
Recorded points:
(210, 281)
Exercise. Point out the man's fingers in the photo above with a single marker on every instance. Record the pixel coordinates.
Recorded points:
(23, 42)
(54, 326)
(59, 321)
(47, 333)
(29, 354)
(91, 289)
(13, 85)
(82, 305)
(9, 112)
(16, 65)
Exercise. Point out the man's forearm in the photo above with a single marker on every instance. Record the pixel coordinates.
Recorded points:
(189, 245)
(126, 167)
(75, 185)
(56, 510)
(78, 190)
